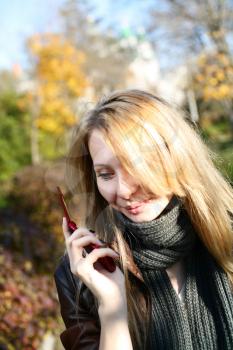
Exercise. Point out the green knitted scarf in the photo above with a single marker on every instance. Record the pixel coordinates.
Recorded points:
(204, 321)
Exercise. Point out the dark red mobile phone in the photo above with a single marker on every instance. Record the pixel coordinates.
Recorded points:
(107, 262)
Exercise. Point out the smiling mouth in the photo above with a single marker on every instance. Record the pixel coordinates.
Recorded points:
(129, 207)
(133, 207)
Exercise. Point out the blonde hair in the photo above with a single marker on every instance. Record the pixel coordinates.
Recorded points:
(165, 153)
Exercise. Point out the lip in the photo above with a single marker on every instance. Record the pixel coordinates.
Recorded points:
(137, 209)
(131, 207)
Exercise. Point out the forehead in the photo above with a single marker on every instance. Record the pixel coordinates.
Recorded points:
(100, 152)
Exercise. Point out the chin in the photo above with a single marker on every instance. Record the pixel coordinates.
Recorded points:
(140, 217)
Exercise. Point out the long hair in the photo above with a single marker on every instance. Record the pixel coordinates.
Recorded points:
(156, 144)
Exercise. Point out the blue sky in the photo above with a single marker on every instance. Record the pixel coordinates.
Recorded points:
(21, 18)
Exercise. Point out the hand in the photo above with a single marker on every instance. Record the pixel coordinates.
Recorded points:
(108, 287)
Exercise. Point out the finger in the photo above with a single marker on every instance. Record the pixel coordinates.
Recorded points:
(80, 232)
(84, 241)
(77, 246)
(65, 228)
(76, 233)
(99, 253)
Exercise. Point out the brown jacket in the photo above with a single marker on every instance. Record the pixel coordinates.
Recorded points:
(81, 320)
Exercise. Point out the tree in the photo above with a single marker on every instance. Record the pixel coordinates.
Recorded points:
(59, 82)
(192, 26)
(14, 127)
(200, 31)
(107, 60)
(213, 80)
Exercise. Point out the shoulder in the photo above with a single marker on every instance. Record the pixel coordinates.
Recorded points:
(71, 288)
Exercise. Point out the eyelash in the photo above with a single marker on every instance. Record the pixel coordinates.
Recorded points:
(104, 175)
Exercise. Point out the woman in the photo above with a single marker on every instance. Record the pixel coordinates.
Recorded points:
(150, 189)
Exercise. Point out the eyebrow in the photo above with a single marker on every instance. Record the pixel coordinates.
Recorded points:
(100, 164)
(117, 164)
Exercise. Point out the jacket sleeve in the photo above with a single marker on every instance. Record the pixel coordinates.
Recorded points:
(81, 319)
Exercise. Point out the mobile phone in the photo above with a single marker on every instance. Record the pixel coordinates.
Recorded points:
(107, 262)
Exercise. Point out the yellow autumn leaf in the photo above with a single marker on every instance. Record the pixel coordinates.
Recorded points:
(220, 75)
(213, 81)
(224, 90)
(60, 80)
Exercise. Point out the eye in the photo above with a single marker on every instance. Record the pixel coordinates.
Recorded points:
(105, 176)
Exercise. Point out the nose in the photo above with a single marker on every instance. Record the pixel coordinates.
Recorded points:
(126, 186)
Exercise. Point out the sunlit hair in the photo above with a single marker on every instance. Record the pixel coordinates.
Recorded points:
(156, 144)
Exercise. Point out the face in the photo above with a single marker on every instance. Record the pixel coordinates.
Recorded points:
(119, 188)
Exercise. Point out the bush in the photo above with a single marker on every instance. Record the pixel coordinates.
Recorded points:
(31, 222)
(28, 304)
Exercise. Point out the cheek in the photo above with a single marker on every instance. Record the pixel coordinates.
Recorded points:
(106, 190)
